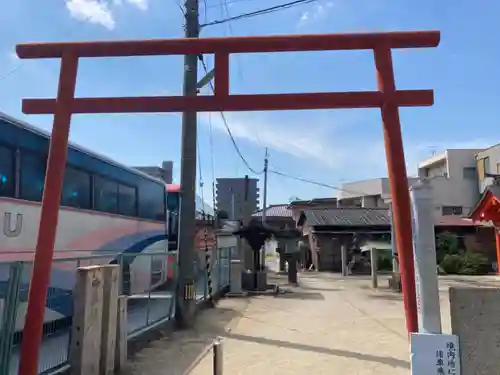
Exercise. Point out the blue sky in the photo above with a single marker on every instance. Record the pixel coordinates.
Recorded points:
(327, 146)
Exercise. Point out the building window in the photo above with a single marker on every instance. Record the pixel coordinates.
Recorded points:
(486, 162)
(469, 173)
(105, 195)
(6, 172)
(76, 189)
(32, 176)
(127, 200)
(498, 168)
(452, 210)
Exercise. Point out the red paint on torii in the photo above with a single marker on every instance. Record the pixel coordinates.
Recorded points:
(387, 98)
(488, 210)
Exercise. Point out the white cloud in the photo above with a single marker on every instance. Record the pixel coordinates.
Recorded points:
(299, 142)
(100, 11)
(315, 13)
(351, 158)
(93, 11)
(141, 4)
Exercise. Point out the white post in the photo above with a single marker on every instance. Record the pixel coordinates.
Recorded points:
(424, 247)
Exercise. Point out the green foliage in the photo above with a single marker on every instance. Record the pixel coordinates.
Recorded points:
(465, 263)
(454, 260)
(446, 244)
(452, 263)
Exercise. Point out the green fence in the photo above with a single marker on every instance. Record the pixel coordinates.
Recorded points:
(148, 279)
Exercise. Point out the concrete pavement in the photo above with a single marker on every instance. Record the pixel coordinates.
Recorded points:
(328, 325)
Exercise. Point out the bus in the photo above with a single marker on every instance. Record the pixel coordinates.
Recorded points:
(107, 209)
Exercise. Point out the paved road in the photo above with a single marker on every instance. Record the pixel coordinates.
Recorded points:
(328, 325)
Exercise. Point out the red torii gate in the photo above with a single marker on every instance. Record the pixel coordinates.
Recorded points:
(387, 98)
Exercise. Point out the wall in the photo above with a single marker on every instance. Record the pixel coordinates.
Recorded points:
(493, 153)
(453, 188)
(374, 187)
(453, 192)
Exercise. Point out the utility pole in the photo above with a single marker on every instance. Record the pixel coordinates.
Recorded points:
(264, 203)
(186, 298)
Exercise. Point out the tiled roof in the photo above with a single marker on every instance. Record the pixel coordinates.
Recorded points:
(343, 216)
(277, 210)
(370, 217)
(314, 202)
(454, 221)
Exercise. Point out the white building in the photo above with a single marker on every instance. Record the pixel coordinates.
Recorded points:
(453, 176)
(488, 163)
(454, 181)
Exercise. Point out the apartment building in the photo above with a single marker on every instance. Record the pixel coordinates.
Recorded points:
(453, 176)
(454, 180)
(372, 193)
(165, 172)
(231, 192)
(488, 167)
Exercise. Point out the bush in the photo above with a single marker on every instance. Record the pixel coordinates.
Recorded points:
(475, 264)
(452, 263)
(465, 263)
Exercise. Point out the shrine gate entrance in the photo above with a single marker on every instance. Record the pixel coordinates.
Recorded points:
(387, 98)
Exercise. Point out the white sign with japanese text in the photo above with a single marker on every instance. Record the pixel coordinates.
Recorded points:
(434, 354)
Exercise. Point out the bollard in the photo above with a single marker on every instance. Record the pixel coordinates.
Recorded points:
(217, 352)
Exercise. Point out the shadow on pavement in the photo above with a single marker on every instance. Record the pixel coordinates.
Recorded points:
(305, 296)
(321, 350)
(321, 289)
(386, 297)
(178, 352)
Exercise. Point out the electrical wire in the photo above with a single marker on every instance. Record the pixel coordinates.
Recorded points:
(260, 12)
(312, 182)
(228, 2)
(228, 129)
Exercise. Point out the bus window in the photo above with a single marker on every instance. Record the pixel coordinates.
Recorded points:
(151, 201)
(173, 202)
(76, 189)
(6, 172)
(32, 176)
(127, 200)
(105, 195)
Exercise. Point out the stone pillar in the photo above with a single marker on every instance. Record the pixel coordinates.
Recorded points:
(109, 318)
(474, 319)
(121, 335)
(85, 348)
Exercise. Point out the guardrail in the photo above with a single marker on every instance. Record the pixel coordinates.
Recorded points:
(149, 280)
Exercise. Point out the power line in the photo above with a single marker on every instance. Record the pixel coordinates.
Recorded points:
(228, 129)
(312, 182)
(260, 12)
(228, 2)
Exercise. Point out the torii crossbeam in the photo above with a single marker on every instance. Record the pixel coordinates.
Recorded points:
(387, 98)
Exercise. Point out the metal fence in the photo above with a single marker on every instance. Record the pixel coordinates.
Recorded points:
(148, 279)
